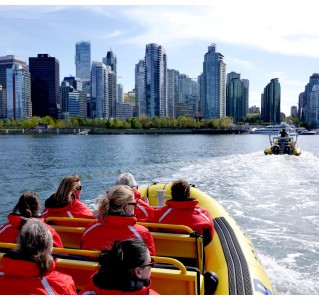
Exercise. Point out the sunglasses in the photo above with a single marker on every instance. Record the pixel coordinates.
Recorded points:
(151, 264)
(131, 203)
(78, 188)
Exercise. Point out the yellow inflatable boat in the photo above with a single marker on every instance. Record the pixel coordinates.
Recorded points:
(183, 266)
(231, 254)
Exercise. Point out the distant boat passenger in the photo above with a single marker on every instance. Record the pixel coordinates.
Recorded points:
(124, 270)
(29, 268)
(116, 222)
(27, 207)
(143, 211)
(65, 201)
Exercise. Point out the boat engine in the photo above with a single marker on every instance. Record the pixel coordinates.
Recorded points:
(288, 149)
(275, 149)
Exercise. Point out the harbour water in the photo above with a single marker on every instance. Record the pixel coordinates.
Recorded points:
(273, 198)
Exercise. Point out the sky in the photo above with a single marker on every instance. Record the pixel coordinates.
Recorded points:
(261, 39)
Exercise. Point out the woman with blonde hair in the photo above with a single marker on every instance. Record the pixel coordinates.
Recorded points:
(65, 201)
(116, 222)
(29, 269)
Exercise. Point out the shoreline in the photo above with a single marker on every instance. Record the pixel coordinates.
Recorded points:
(77, 131)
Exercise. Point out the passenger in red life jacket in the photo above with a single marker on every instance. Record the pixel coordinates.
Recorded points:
(124, 270)
(29, 269)
(65, 201)
(185, 211)
(143, 211)
(116, 222)
(27, 207)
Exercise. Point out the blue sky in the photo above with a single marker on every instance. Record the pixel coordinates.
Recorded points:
(260, 39)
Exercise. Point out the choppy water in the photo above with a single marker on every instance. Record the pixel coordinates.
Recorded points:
(273, 198)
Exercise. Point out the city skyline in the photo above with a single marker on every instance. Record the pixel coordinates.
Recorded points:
(257, 47)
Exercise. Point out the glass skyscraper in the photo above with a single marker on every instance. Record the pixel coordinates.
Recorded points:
(270, 102)
(156, 81)
(83, 60)
(214, 84)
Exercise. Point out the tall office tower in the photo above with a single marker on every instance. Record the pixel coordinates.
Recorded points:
(172, 91)
(140, 99)
(112, 92)
(45, 86)
(312, 116)
(7, 62)
(83, 60)
(303, 98)
(270, 102)
(99, 90)
(18, 93)
(293, 111)
(64, 92)
(110, 60)
(156, 81)
(214, 84)
(236, 96)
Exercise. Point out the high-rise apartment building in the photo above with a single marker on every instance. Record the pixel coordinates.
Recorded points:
(312, 116)
(45, 86)
(172, 91)
(83, 60)
(18, 93)
(155, 81)
(7, 62)
(110, 60)
(213, 82)
(236, 96)
(140, 99)
(270, 102)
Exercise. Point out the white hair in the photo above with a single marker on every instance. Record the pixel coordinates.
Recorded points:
(126, 179)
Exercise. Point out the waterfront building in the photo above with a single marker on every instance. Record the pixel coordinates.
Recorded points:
(172, 91)
(313, 107)
(270, 102)
(293, 111)
(83, 60)
(18, 96)
(213, 82)
(45, 85)
(110, 60)
(124, 110)
(120, 93)
(7, 62)
(236, 96)
(254, 110)
(99, 90)
(140, 98)
(156, 81)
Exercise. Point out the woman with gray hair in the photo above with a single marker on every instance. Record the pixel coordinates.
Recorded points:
(116, 222)
(143, 211)
(29, 268)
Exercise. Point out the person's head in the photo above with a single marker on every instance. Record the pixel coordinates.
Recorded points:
(28, 205)
(35, 242)
(180, 189)
(126, 179)
(128, 260)
(68, 190)
(119, 199)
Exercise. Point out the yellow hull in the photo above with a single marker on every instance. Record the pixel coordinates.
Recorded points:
(231, 254)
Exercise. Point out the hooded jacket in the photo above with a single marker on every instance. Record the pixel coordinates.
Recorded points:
(21, 277)
(187, 213)
(75, 209)
(101, 235)
(143, 211)
(10, 230)
(138, 287)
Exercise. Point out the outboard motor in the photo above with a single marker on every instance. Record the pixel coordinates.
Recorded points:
(287, 149)
(210, 282)
(275, 149)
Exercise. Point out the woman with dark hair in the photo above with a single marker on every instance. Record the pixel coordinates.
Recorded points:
(29, 269)
(65, 201)
(124, 270)
(116, 222)
(27, 207)
(183, 210)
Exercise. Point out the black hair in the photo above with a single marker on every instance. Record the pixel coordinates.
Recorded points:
(180, 190)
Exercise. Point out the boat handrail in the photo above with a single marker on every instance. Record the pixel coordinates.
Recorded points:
(167, 226)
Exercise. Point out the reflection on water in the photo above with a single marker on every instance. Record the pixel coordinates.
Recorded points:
(273, 198)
